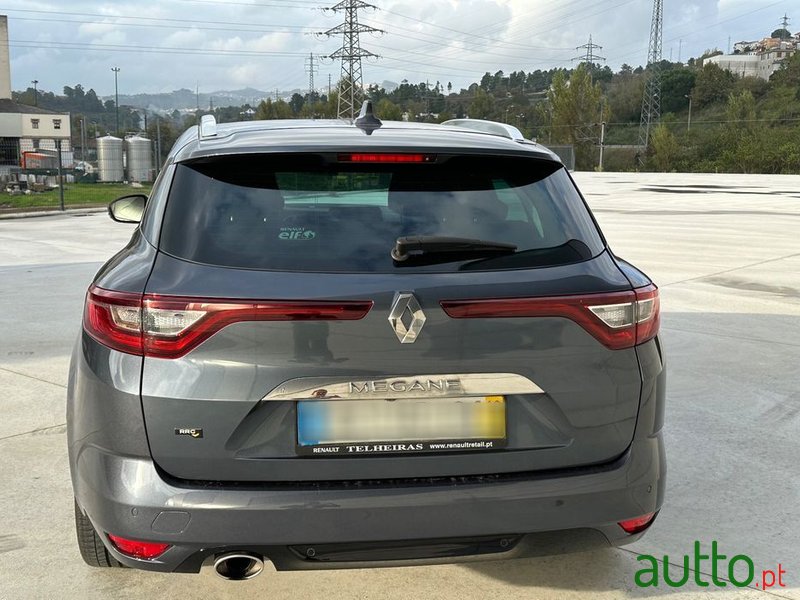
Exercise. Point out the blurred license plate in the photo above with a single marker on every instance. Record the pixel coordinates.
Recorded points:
(356, 427)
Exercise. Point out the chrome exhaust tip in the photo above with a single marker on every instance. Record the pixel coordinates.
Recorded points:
(238, 566)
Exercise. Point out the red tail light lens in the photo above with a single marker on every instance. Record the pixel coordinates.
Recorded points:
(137, 549)
(171, 326)
(617, 320)
(381, 157)
(638, 524)
(114, 319)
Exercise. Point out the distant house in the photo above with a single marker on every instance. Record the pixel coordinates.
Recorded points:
(745, 47)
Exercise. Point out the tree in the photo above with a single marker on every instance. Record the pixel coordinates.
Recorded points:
(665, 148)
(296, 103)
(265, 110)
(755, 85)
(92, 102)
(482, 105)
(386, 110)
(713, 84)
(676, 84)
(741, 110)
(168, 133)
(744, 150)
(781, 33)
(789, 74)
(577, 108)
(625, 98)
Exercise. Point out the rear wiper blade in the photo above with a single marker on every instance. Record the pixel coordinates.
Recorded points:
(417, 245)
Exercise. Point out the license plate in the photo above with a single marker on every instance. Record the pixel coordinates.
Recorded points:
(357, 427)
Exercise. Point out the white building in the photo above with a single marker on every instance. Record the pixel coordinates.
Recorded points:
(743, 65)
(26, 129)
(765, 61)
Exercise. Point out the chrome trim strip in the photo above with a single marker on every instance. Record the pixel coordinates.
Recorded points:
(412, 386)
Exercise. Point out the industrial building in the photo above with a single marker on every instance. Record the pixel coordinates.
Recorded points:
(29, 135)
(30, 138)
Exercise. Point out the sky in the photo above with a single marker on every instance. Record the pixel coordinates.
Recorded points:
(163, 45)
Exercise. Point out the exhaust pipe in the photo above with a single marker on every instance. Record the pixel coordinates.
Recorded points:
(238, 566)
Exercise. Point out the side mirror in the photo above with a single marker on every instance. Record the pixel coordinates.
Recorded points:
(127, 209)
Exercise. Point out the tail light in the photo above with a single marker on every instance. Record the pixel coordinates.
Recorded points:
(617, 320)
(638, 524)
(137, 549)
(171, 326)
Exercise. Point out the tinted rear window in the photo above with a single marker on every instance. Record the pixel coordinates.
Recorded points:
(312, 213)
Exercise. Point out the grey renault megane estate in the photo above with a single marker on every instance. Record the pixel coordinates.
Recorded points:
(334, 344)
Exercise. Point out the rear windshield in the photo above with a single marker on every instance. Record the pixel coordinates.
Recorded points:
(315, 213)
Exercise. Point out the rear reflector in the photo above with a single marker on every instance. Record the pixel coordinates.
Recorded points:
(638, 524)
(617, 320)
(137, 549)
(171, 326)
(373, 157)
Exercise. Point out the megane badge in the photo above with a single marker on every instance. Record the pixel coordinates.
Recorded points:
(406, 317)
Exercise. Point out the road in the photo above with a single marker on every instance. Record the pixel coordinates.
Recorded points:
(726, 253)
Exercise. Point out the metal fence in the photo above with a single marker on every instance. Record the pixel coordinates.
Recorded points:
(46, 174)
(566, 153)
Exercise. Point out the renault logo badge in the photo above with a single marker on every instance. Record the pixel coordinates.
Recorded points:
(406, 317)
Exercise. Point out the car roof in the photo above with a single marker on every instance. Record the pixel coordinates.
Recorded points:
(331, 135)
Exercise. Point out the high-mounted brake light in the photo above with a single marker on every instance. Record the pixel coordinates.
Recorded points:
(382, 157)
(617, 320)
(138, 549)
(171, 326)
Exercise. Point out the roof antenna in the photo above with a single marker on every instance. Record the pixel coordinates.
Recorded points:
(367, 121)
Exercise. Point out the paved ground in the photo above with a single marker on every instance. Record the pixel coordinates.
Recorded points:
(726, 251)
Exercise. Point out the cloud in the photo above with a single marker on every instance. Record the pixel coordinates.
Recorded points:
(445, 40)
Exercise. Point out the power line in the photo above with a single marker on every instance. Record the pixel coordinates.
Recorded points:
(273, 4)
(686, 34)
(152, 19)
(149, 49)
(470, 34)
(543, 26)
(651, 100)
(351, 83)
(237, 29)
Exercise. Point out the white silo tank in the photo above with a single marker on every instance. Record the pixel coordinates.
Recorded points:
(109, 159)
(139, 155)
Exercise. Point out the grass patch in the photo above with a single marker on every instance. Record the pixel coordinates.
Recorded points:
(75, 194)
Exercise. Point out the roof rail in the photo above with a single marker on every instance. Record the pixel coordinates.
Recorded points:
(491, 127)
(208, 127)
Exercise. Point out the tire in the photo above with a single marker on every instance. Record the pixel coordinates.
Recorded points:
(90, 544)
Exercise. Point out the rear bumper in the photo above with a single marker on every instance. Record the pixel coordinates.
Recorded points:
(370, 524)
